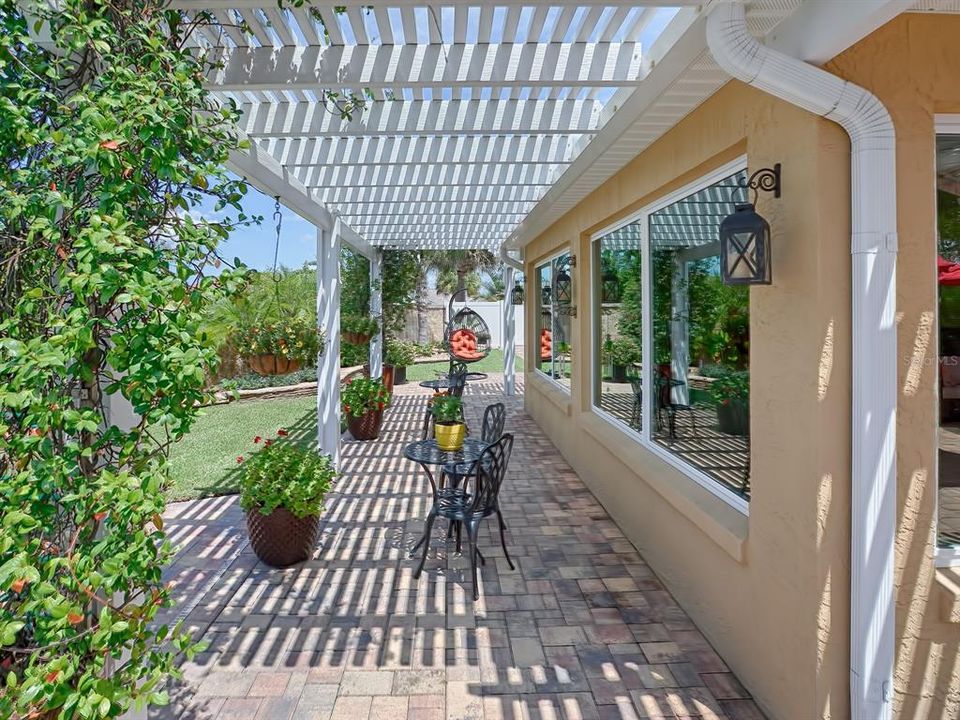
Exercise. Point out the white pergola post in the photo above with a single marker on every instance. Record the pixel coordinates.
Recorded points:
(328, 317)
(680, 329)
(509, 333)
(376, 311)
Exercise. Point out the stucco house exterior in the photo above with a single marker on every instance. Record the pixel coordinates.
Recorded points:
(778, 541)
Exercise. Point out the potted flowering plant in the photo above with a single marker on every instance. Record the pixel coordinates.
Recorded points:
(731, 392)
(399, 355)
(282, 488)
(358, 329)
(448, 428)
(363, 401)
(281, 347)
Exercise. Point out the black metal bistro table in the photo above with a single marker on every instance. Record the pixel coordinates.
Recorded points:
(445, 382)
(427, 453)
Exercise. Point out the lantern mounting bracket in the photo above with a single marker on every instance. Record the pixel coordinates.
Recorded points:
(765, 179)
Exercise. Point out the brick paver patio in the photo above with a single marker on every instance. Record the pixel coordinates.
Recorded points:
(581, 629)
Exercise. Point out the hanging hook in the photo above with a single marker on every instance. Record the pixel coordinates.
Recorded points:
(278, 219)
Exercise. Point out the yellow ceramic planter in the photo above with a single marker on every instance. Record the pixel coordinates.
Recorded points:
(450, 437)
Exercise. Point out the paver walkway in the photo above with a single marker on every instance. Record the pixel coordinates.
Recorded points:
(581, 629)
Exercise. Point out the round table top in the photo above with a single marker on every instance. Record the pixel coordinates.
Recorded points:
(427, 452)
(438, 384)
(446, 381)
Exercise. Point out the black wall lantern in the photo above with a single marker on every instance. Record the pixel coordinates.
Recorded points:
(609, 286)
(516, 295)
(745, 257)
(546, 295)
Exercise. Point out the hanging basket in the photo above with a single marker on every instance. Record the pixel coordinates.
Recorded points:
(272, 364)
(367, 426)
(281, 539)
(355, 338)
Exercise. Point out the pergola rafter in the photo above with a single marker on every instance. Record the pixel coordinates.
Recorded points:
(474, 110)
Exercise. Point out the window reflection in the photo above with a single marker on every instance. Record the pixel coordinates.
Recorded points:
(555, 298)
(948, 281)
(698, 379)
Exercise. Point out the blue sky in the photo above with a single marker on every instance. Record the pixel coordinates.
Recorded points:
(255, 245)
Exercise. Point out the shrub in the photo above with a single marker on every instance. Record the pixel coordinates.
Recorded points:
(400, 353)
(624, 351)
(359, 324)
(296, 338)
(362, 395)
(252, 381)
(352, 354)
(284, 474)
(107, 139)
(733, 385)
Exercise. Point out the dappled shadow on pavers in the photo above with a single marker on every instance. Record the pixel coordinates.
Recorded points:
(580, 629)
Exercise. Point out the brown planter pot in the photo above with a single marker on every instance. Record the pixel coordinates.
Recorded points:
(356, 338)
(366, 427)
(281, 538)
(272, 364)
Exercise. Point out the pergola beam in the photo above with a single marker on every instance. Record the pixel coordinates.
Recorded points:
(261, 170)
(420, 117)
(385, 67)
(334, 177)
(420, 149)
(447, 193)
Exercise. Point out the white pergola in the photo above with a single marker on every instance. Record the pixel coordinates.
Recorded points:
(484, 123)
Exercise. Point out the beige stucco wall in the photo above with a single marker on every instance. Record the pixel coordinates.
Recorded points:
(772, 591)
(913, 66)
(769, 591)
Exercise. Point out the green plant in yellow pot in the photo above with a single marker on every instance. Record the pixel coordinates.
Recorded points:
(449, 428)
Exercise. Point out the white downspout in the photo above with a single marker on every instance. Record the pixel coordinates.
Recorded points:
(874, 251)
(509, 261)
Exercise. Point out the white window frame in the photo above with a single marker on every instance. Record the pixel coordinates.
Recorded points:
(644, 437)
(538, 304)
(943, 557)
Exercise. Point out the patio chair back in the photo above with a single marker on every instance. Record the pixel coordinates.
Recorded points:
(494, 418)
(458, 381)
(428, 423)
(491, 473)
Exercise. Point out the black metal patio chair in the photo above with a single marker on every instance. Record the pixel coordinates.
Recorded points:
(664, 385)
(636, 411)
(471, 505)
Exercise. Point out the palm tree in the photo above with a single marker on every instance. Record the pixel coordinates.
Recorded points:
(493, 288)
(462, 263)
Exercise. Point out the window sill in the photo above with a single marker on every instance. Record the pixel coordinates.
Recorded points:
(946, 585)
(552, 391)
(724, 524)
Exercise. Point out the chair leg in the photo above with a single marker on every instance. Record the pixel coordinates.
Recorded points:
(503, 538)
(459, 526)
(472, 528)
(426, 543)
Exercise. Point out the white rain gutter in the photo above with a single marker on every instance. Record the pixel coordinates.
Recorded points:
(874, 254)
(509, 261)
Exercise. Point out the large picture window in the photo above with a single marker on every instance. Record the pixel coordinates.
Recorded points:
(671, 341)
(555, 303)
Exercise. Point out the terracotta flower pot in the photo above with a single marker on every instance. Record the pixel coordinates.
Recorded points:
(355, 338)
(367, 426)
(272, 364)
(281, 538)
(450, 436)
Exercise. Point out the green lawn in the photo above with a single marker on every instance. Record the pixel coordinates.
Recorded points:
(204, 463)
(492, 363)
